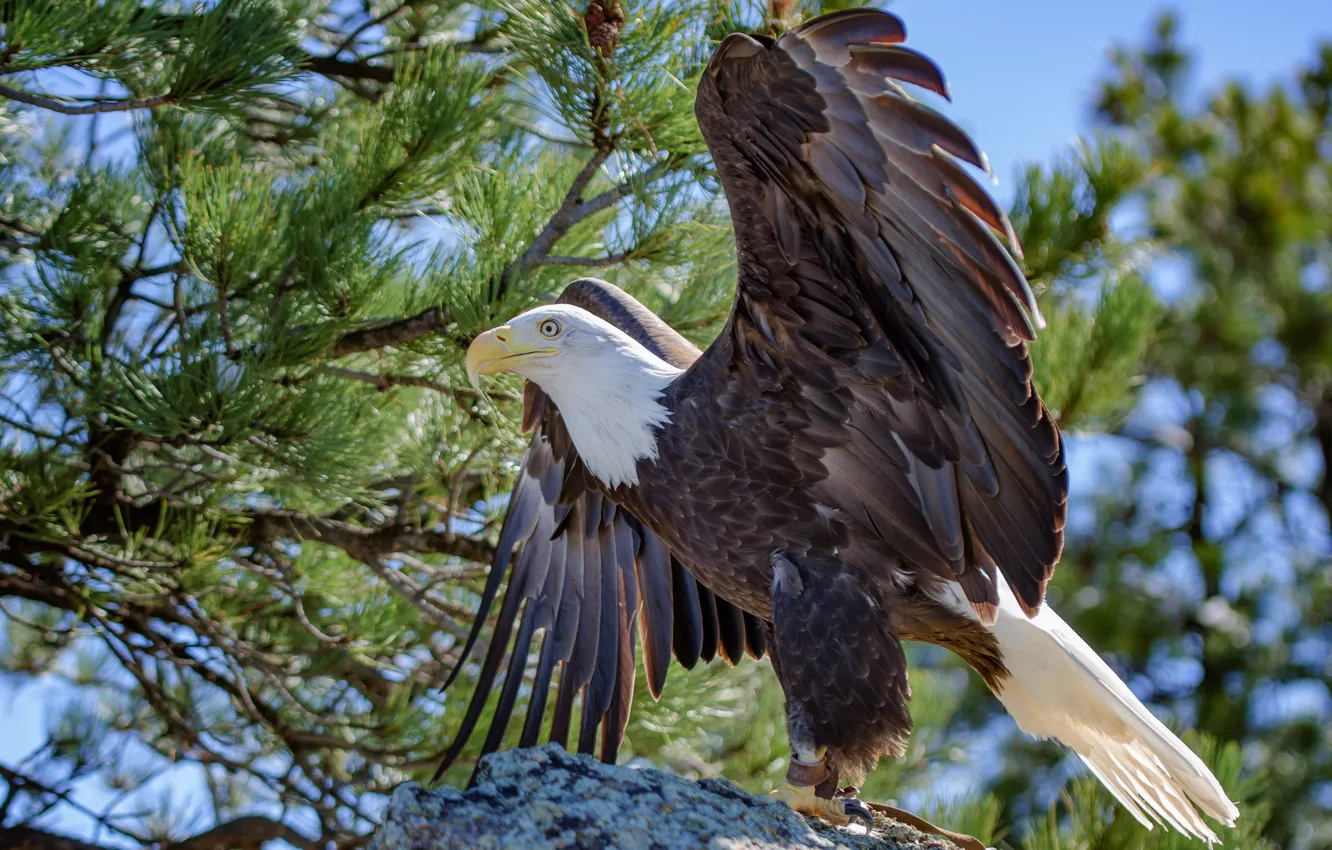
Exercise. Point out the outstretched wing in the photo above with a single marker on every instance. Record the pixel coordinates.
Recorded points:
(876, 299)
(583, 577)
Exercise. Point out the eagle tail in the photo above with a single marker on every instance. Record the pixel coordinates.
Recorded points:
(1061, 689)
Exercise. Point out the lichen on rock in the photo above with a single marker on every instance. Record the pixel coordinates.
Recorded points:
(545, 798)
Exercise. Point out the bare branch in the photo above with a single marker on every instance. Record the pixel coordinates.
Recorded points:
(387, 14)
(329, 66)
(564, 218)
(66, 108)
(397, 332)
(16, 779)
(571, 211)
(622, 190)
(245, 833)
(367, 544)
(464, 397)
(383, 382)
(589, 262)
(31, 838)
(35, 431)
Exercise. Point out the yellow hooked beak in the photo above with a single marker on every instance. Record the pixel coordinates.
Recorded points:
(497, 350)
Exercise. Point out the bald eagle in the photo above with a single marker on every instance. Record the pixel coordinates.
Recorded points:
(859, 459)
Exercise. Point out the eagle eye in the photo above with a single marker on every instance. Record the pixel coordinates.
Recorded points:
(550, 328)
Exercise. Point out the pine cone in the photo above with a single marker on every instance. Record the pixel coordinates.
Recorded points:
(603, 26)
(594, 17)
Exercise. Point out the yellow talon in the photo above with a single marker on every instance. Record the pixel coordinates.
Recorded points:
(803, 800)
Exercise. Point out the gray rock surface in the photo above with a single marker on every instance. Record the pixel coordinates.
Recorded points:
(545, 798)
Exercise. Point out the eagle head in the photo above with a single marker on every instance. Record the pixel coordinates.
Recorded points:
(607, 386)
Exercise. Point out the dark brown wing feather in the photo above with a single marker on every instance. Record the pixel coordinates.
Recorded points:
(874, 284)
(584, 578)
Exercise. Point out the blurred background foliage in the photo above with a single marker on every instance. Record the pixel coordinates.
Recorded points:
(247, 497)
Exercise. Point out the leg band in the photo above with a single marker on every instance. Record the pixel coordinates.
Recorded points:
(804, 773)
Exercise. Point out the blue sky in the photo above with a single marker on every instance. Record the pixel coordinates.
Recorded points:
(1023, 73)
(1023, 76)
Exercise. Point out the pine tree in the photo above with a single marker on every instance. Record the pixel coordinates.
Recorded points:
(246, 495)
(1200, 561)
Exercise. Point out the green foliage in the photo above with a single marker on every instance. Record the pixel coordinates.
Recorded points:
(215, 58)
(1100, 313)
(1088, 358)
(1062, 211)
(977, 816)
(639, 98)
(240, 456)
(43, 35)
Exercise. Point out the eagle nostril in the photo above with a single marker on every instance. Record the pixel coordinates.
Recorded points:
(501, 337)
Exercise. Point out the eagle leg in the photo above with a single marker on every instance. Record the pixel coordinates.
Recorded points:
(811, 782)
(855, 809)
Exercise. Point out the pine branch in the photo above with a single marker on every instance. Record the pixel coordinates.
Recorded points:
(113, 308)
(620, 191)
(19, 227)
(66, 108)
(386, 15)
(366, 544)
(31, 838)
(384, 382)
(246, 833)
(331, 66)
(243, 833)
(564, 218)
(29, 428)
(433, 608)
(590, 262)
(572, 210)
(16, 779)
(399, 332)
(464, 396)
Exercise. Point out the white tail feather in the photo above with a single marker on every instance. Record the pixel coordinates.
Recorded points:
(1061, 689)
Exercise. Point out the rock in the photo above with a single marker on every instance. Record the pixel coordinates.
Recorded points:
(544, 798)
